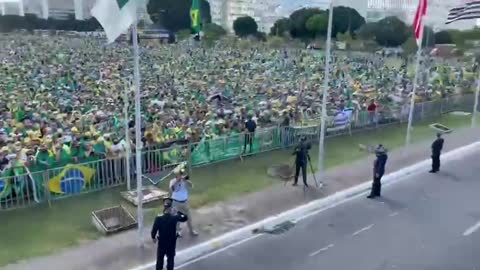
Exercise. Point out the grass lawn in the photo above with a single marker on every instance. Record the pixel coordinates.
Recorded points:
(42, 230)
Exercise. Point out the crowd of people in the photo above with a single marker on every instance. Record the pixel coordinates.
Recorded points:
(63, 98)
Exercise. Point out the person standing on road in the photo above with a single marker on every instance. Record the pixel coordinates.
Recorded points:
(378, 171)
(437, 147)
(179, 190)
(301, 160)
(164, 231)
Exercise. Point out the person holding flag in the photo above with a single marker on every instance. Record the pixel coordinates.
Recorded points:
(195, 17)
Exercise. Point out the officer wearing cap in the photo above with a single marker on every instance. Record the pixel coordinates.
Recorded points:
(378, 171)
(164, 231)
(301, 160)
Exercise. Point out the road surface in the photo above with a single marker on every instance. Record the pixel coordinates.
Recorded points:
(427, 222)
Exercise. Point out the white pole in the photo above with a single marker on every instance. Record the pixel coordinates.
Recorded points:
(78, 4)
(2, 6)
(415, 80)
(21, 10)
(45, 9)
(475, 106)
(321, 147)
(138, 135)
(127, 135)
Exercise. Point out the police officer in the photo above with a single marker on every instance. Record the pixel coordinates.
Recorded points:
(301, 159)
(165, 232)
(378, 171)
(437, 147)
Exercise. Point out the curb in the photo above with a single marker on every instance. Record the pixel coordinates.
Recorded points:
(299, 213)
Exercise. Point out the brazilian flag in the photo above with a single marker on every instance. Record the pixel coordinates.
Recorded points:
(195, 16)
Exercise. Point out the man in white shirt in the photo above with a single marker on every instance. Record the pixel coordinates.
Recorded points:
(179, 193)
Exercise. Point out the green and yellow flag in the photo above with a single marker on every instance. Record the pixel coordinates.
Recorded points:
(195, 16)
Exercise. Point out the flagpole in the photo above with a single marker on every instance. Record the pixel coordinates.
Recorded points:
(415, 80)
(326, 79)
(127, 136)
(475, 106)
(138, 135)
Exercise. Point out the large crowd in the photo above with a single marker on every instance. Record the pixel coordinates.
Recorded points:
(62, 98)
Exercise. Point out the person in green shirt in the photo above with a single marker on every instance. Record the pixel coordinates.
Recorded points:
(99, 147)
(44, 159)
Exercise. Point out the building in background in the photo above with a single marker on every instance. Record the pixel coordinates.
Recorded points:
(379, 9)
(12, 7)
(58, 9)
(264, 12)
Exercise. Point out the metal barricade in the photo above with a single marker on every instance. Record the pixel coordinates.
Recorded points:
(19, 191)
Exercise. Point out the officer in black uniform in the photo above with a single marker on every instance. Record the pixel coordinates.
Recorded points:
(165, 232)
(437, 147)
(378, 171)
(301, 160)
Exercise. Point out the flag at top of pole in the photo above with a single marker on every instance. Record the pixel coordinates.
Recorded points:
(466, 11)
(195, 16)
(418, 21)
(115, 16)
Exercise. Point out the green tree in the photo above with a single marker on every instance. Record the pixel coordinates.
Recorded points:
(276, 42)
(317, 24)
(428, 39)
(31, 22)
(213, 32)
(244, 26)
(280, 27)
(346, 19)
(367, 31)
(391, 32)
(443, 37)
(175, 14)
(410, 46)
(299, 20)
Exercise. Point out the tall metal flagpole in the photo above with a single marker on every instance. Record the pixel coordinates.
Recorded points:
(415, 80)
(127, 135)
(326, 80)
(475, 106)
(138, 135)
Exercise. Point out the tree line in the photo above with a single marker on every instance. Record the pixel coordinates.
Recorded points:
(305, 24)
(29, 22)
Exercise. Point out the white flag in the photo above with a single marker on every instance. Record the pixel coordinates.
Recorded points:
(115, 16)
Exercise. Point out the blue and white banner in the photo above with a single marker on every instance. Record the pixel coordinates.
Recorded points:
(343, 118)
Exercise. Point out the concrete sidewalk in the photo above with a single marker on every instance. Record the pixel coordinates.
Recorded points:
(121, 251)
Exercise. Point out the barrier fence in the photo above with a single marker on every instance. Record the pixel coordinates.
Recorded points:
(21, 187)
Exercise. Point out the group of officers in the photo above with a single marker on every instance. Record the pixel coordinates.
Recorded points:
(302, 158)
(164, 230)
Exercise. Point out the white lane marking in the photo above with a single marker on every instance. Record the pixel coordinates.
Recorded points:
(363, 229)
(472, 229)
(218, 251)
(394, 214)
(321, 250)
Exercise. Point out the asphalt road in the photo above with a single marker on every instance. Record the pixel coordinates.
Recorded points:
(427, 222)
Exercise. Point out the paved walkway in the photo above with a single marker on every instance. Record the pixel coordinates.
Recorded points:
(122, 252)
